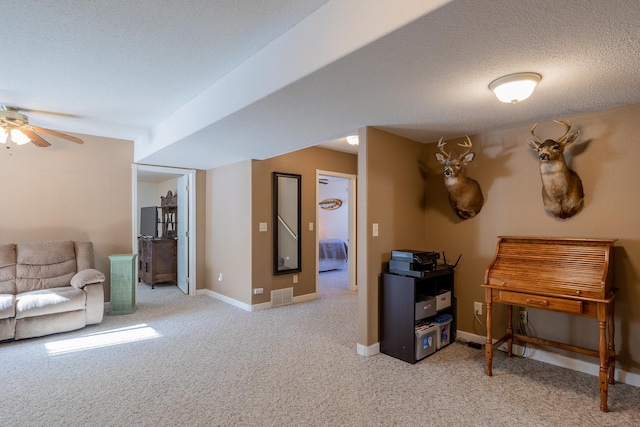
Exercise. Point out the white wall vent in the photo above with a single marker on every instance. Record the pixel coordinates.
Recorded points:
(281, 297)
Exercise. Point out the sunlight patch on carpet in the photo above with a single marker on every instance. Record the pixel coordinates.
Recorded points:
(102, 339)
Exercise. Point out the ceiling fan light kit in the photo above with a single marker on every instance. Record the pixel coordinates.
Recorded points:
(15, 127)
(516, 87)
(17, 136)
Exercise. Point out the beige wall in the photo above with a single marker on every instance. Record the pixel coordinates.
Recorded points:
(303, 162)
(606, 157)
(228, 231)
(69, 191)
(395, 200)
(147, 194)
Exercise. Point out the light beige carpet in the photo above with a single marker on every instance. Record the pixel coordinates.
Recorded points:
(212, 364)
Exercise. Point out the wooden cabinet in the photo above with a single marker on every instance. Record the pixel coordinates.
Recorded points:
(400, 301)
(157, 260)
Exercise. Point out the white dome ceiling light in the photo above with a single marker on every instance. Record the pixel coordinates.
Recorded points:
(514, 88)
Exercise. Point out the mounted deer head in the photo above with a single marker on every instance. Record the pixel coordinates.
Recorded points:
(562, 192)
(465, 195)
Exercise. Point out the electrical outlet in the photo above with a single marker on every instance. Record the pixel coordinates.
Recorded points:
(477, 308)
(258, 291)
(523, 317)
(295, 278)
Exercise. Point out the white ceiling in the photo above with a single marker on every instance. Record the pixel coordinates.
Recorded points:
(201, 83)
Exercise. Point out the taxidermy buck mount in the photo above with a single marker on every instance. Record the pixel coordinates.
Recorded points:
(465, 195)
(562, 191)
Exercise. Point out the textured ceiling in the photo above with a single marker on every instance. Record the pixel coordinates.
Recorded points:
(200, 84)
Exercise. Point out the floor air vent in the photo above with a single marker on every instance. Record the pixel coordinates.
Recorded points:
(281, 297)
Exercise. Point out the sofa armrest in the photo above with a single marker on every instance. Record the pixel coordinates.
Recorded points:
(85, 277)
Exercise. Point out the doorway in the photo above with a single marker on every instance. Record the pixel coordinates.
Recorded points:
(149, 182)
(336, 223)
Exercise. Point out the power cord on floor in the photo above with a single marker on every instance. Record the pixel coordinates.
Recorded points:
(471, 344)
(474, 344)
(477, 319)
(522, 329)
(525, 328)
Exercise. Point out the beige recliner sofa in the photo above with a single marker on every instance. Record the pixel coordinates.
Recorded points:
(48, 287)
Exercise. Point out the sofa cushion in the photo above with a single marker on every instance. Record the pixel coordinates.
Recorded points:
(38, 326)
(44, 265)
(7, 268)
(7, 306)
(7, 328)
(49, 301)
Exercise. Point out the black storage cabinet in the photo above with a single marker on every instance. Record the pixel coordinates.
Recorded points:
(398, 305)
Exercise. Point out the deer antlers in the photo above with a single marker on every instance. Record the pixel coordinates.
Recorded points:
(467, 144)
(441, 145)
(562, 140)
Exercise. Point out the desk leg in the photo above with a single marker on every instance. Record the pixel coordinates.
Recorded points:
(510, 330)
(488, 348)
(604, 354)
(612, 345)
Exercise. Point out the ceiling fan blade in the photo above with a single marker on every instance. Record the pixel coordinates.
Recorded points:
(48, 113)
(35, 138)
(58, 134)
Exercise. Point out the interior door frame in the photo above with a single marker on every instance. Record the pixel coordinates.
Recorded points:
(351, 225)
(191, 220)
(182, 231)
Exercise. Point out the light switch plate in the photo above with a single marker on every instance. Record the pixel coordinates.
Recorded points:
(263, 226)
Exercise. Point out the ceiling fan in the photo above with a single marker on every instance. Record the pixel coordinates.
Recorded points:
(15, 126)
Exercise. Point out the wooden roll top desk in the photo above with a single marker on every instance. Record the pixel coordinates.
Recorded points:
(573, 276)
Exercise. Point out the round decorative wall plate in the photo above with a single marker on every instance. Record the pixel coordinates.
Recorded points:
(330, 204)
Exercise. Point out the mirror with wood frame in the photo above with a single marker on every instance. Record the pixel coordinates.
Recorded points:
(287, 247)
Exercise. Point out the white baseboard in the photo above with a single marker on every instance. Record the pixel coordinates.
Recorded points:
(261, 306)
(305, 298)
(556, 359)
(249, 307)
(367, 351)
(224, 298)
(466, 336)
